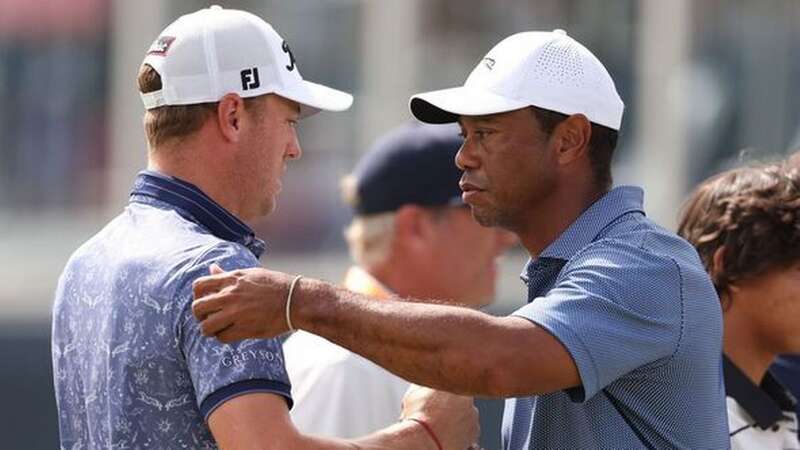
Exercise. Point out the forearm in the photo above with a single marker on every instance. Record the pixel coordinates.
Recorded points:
(446, 347)
(450, 348)
(261, 421)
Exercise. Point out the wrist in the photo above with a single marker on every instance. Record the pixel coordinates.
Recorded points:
(288, 306)
(402, 435)
(306, 298)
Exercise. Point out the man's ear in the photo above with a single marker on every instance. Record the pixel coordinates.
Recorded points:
(717, 262)
(414, 227)
(230, 113)
(718, 266)
(572, 137)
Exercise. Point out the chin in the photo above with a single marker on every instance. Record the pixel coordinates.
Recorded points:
(493, 217)
(268, 208)
(483, 217)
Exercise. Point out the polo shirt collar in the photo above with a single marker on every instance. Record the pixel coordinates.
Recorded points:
(196, 206)
(765, 403)
(587, 227)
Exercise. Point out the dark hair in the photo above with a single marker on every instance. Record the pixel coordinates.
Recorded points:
(165, 123)
(601, 144)
(751, 212)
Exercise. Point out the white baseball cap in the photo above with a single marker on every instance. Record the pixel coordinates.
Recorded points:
(207, 54)
(546, 69)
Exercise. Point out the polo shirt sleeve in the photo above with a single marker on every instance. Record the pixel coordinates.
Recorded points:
(218, 371)
(615, 308)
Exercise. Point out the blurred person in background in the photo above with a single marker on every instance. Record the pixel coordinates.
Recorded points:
(412, 236)
(619, 345)
(223, 96)
(745, 224)
(787, 367)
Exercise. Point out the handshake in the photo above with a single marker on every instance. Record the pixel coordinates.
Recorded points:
(450, 420)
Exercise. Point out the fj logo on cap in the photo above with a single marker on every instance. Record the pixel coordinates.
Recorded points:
(160, 46)
(286, 49)
(250, 78)
(489, 63)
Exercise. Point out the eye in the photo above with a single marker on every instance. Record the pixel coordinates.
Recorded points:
(476, 132)
(482, 134)
(292, 123)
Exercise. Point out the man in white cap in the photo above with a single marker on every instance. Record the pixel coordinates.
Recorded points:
(619, 345)
(223, 95)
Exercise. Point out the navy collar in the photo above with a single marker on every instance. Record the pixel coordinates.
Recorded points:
(765, 403)
(196, 206)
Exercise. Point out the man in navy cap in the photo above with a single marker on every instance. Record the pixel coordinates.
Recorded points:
(409, 224)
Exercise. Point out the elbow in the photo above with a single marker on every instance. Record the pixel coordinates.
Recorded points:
(485, 374)
(501, 380)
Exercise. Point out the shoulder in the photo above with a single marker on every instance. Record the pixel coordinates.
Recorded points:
(619, 262)
(194, 261)
(158, 245)
(641, 249)
(178, 279)
(641, 233)
(229, 255)
(626, 274)
(166, 233)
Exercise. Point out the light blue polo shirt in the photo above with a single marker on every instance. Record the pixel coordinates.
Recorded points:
(634, 307)
(131, 368)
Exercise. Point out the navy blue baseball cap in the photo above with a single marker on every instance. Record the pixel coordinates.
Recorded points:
(412, 165)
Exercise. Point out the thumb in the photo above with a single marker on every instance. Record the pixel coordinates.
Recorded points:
(215, 269)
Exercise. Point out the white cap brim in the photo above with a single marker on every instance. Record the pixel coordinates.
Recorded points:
(446, 105)
(314, 98)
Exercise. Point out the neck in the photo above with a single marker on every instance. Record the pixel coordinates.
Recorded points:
(209, 178)
(410, 281)
(744, 348)
(548, 219)
(402, 286)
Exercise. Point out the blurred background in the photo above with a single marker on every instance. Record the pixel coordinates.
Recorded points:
(706, 84)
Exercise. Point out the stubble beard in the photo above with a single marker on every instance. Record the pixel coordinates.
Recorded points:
(488, 216)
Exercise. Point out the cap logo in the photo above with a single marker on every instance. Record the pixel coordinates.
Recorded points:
(489, 63)
(250, 79)
(287, 50)
(160, 46)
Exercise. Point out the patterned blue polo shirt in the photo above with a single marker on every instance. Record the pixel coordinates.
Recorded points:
(131, 367)
(637, 312)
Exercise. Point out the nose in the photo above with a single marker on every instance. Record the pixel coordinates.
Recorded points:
(294, 151)
(465, 158)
